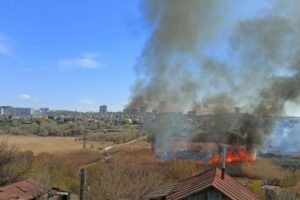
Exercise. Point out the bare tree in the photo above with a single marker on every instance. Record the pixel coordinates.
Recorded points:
(13, 164)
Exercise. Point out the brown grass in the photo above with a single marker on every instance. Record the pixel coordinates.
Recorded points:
(259, 169)
(50, 144)
(174, 170)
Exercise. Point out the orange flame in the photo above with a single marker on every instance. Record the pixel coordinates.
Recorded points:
(233, 155)
(215, 159)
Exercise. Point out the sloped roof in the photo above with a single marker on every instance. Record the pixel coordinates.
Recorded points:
(22, 190)
(211, 178)
(160, 192)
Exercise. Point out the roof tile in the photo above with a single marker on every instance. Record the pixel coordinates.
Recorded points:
(211, 178)
(26, 189)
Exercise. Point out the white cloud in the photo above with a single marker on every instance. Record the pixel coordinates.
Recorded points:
(6, 46)
(86, 61)
(24, 96)
(87, 102)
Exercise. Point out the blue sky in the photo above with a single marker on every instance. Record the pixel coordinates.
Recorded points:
(69, 54)
(66, 54)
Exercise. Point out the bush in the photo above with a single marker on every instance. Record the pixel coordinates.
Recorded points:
(258, 169)
(61, 170)
(256, 187)
(47, 129)
(122, 178)
(13, 164)
(77, 129)
(17, 131)
(291, 179)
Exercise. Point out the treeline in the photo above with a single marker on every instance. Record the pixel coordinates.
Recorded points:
(42, 127)
(59, 126)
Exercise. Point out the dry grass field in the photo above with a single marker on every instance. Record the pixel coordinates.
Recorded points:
(51, 144)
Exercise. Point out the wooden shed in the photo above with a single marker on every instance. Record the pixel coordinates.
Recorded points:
(209, 185)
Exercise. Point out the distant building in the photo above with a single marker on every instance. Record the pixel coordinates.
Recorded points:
(103, 109)
(1, 111)
(41, 112)
(130, 111)
(44, 110)
(17, 111)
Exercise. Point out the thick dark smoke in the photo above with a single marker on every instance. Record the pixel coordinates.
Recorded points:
(258, 70)
(178, 30)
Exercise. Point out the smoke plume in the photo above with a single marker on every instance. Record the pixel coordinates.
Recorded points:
(201, 56)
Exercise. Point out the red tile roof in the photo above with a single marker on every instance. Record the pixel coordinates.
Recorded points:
(160, 192)
(22, 190)
(211, 178)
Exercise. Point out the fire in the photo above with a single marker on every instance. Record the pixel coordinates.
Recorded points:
(215, 159)
(233, 155)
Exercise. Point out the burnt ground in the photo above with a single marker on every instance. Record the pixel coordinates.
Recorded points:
(286, 161)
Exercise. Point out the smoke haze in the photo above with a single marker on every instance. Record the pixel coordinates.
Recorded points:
(258, 68)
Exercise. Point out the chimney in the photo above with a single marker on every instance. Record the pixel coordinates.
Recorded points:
(223, 162)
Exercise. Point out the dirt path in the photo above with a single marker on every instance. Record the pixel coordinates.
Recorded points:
(107, 149)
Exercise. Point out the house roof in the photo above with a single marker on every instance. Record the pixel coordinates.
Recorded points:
(160, 192)
(211, 178)
(22, 190)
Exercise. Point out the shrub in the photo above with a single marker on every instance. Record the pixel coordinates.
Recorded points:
(13, 164)
(49, 130)
(258, 169)
(176, 170)
(256, 187)
(122, 178)
(16, 131)
(61, 170)
(290, 179)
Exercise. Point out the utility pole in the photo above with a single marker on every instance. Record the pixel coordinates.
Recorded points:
(224, 162)
(84, 139)
(82, 183)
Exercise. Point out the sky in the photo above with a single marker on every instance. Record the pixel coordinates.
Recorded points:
(69, 54)
(75, 55)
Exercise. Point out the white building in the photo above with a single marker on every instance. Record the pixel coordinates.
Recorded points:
(17, 111)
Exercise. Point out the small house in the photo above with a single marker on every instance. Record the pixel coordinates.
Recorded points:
(213, 184)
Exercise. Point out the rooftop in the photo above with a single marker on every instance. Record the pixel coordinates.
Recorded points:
(22, 190)
(192, 185)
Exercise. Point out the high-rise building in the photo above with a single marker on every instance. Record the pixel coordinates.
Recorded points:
(44, 110)
(1, 111)
(103, 109)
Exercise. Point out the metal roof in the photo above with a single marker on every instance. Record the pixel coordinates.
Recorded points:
(211, 178)
(22, 190)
